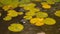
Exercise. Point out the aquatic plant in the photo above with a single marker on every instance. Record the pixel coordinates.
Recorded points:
(27, 17)
(7, 18)
(1, 4)
(41, 14)
(57, 13)
(12, 13)
(45, 5)
(50, 1)
(37, 21)
(35, 10)
(24, 1)
(57, 0)
(7, 2)
(13, 3)
(20, 13)
(29, 6)
(7, 7)
(30, 13)
(16, 27)
(37, 0)
(49, 21)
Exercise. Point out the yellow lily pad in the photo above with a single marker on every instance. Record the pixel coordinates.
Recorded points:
(29, 6)
(49, 21)
(20, 13)
(45, 5)
(37, 21)
(27, 17)
(41, 14)
(12, 13)
(57, 13)
(15, 27)
(30, 13)
(7, 18)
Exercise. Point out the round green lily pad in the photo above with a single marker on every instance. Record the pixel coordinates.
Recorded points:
(27, 17)
(7, 18)
(41, 14)
(57, 13)
(50, 1)
(30, 13)
(12, 13)
(15, 27)
(49, 21)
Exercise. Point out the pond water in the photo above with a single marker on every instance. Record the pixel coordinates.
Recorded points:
(29, 28)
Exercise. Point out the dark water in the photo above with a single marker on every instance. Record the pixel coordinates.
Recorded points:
(31, 29)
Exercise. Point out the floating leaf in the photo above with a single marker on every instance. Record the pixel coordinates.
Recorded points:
(50, 1)
(27, 17)
(20, 13)
(7, 2)
(14, 3)
(12, 13)
(1, 4)
(30, 13)
(45, 5)
(49, 21)
(7, 18)
(57, 13)
(57, 0)
(24, 1)
(41, 14)
(37, 21)
(15, 27)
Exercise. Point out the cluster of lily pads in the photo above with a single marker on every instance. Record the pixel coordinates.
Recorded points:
(33, 14)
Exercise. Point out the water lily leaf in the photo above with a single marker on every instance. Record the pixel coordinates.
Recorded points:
(50, 1)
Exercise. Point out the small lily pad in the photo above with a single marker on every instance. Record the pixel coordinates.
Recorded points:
(15, 27)
(41, 14)
(49, 21)
(57, 13)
